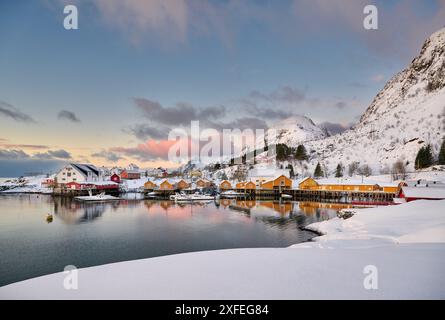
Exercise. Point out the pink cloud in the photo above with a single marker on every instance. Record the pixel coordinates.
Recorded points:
(147, 151)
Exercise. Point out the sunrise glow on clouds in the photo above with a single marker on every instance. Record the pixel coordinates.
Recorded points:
(110, 92)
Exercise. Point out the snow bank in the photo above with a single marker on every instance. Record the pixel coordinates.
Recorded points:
(417, 221)
(405, 243)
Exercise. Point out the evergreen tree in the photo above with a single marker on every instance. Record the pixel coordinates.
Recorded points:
(442, 153)
(339, 171)
(424, 157)
(301, 153)
(283, 152)
(318, 171)
(291, 170)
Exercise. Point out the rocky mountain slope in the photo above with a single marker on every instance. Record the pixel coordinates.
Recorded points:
(292, 131)
(406, 114)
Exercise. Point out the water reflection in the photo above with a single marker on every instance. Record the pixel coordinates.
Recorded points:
(87, 234)
(72, 212)
(271, 212)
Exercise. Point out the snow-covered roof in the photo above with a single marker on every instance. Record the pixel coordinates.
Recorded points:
(268, 172)
(132, 171)
(84, 168)
(346, 181)
(424, 192)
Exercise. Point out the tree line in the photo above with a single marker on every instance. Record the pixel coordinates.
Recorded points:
(424, 159)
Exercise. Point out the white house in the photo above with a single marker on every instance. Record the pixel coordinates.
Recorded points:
(133, 167)
(77, 172)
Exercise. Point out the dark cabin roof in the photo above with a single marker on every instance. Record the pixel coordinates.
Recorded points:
(85, 168)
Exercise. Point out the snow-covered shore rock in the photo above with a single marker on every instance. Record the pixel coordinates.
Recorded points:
(405, 243)
(32, 184)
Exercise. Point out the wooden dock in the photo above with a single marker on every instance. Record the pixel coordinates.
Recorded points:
(65, 192)
(320, 195)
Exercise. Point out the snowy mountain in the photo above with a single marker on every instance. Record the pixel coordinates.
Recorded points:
(406, 114)
(292, 132)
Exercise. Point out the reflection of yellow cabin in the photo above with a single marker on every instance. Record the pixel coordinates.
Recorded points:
(201, 183)
(246, 185)
(282, 182)
(166, 185)
(225, 185)
(182, 185)
(311, 184)
(281, 208)
(310, 208)
(225, 202)
(248, 204)
(165, 205)
(150, 185)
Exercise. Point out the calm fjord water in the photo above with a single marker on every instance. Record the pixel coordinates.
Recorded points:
(88, 234)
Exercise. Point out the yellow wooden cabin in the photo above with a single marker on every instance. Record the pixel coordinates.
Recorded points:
(246, 185)
(182, 184)
(282, 182)
(202, 183)
(150, 185)
(312, 184)
(225, 185)
(308, 184)
(166, 185)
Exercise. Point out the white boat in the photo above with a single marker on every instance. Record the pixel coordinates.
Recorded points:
(286, 196)
(100, 197)
(192, 197)
(152, 194)
(231, 194)
(178, 195)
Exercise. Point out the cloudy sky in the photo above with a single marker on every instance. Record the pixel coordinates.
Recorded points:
(109, 92)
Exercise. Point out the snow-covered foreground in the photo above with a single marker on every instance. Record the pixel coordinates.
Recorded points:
(405, 243)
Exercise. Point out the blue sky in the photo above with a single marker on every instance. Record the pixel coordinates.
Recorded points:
(301, 57)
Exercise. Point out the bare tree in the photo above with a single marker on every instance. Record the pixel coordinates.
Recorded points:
(399, 170)
(352, 168)
(365, 170)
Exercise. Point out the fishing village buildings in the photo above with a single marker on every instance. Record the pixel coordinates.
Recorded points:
(259, 183)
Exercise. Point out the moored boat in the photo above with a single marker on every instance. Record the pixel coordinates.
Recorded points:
(99, 197)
